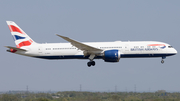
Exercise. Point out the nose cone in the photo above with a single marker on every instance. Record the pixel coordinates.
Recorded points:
(175, 51)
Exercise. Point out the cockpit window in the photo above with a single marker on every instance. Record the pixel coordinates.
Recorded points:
(170, 47)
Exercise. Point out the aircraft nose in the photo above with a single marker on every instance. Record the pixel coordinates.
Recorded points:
(175, 51)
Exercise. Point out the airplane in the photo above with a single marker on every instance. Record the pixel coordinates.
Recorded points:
(108, 51)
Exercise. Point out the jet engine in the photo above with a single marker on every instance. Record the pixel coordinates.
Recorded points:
(111, 56)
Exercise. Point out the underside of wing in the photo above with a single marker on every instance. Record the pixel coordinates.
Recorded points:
(80, 45)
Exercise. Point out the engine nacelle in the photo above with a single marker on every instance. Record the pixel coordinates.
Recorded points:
(112, 56)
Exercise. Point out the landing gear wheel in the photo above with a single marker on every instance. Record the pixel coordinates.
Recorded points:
(89, 64)
(162, 61)
(93, 63)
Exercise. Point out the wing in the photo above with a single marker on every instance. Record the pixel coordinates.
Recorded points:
(80, 45)
(18, 49)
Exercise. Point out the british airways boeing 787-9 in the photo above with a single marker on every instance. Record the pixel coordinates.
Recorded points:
(108, 51)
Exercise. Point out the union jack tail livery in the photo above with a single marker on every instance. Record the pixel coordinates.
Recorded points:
(20, 37)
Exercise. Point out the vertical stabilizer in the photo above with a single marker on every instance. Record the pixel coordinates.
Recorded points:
(20, 37)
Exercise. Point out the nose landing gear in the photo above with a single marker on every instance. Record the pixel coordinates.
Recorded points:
(162, 61)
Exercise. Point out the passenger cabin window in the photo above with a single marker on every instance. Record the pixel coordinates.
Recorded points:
(136, 46)
(48, 48)
(170, 47)
(110, 47)
(62, 48)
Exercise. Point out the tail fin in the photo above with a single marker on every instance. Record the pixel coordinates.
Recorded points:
(20, 37)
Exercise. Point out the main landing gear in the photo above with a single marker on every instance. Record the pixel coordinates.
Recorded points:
(91, 62)
(162, 61)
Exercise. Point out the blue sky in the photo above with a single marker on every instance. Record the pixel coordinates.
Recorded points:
(90, 21)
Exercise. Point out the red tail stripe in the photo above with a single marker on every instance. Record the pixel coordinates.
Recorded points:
(15, 29)
(24, 43)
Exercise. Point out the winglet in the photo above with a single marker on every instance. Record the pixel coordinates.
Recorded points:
(65, 38)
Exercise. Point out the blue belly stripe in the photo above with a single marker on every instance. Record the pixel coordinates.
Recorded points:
(100, 57)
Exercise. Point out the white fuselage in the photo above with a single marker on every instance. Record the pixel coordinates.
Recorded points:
(129, 49)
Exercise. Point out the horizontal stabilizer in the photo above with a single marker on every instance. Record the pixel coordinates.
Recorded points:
(14, 48)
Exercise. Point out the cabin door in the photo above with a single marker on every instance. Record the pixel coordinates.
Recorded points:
(40, 50)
